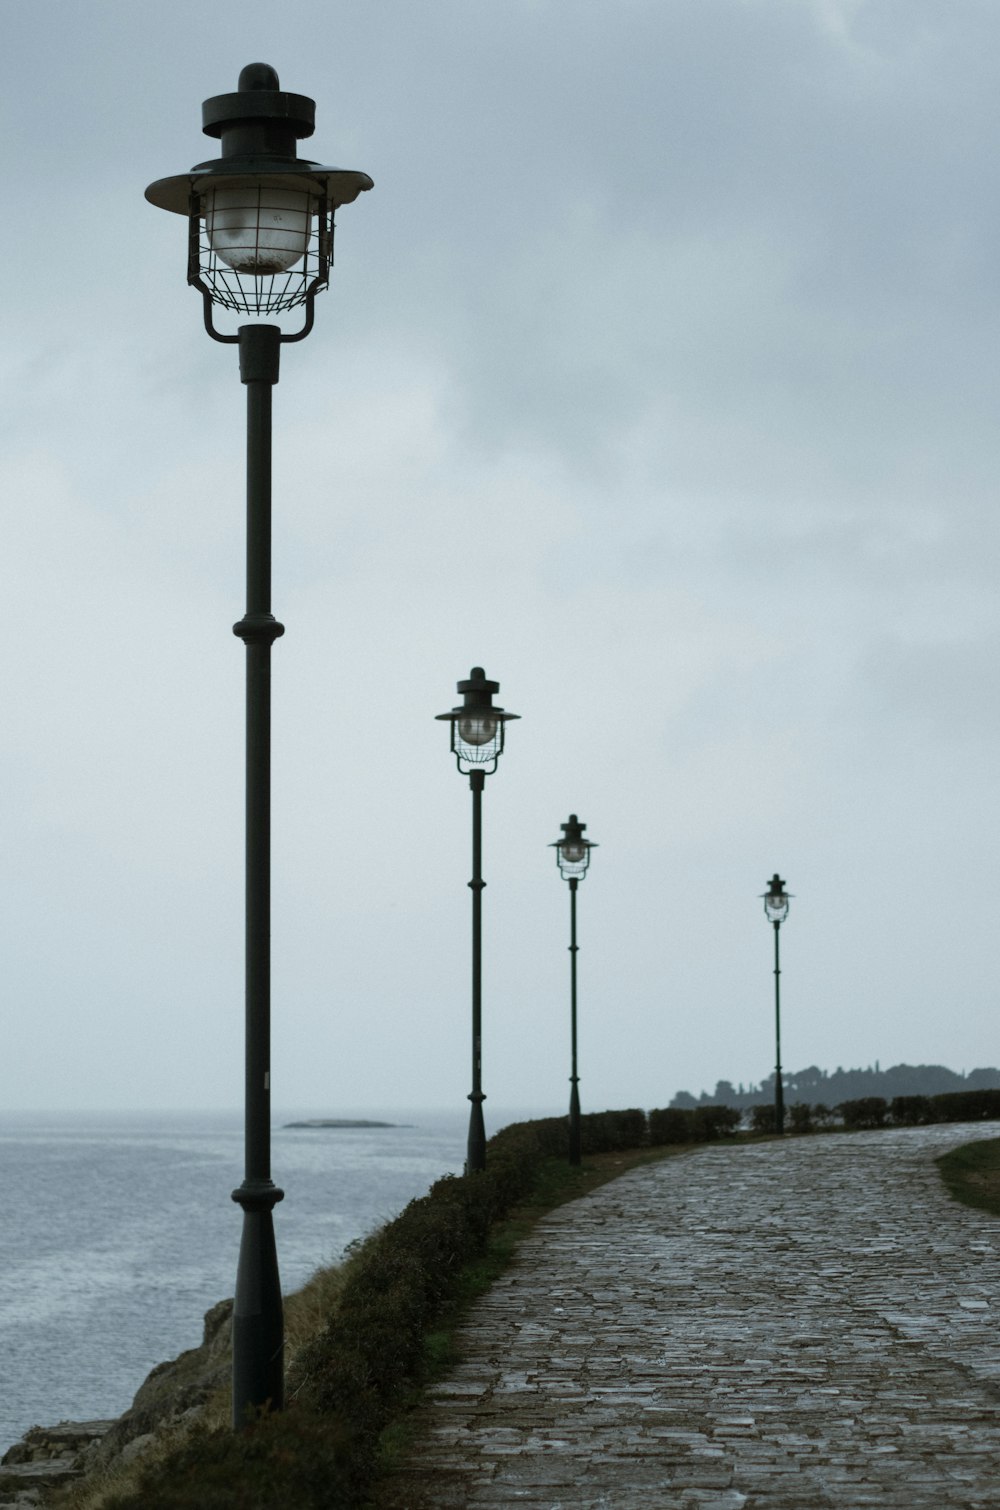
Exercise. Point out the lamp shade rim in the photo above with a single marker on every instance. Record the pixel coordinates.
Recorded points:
(497, 714)
(340, 185)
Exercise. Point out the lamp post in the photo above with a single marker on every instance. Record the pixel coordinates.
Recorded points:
(477, 738)
(573, 858)
(776, 900)
(260, 243)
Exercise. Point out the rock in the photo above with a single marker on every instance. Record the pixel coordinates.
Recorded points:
(25, 1499)
(43, 1473)
(68, 1439)
(48, 1457)
(136, 1447)
(173, 1389)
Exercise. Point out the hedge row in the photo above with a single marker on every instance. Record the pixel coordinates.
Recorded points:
(356, 1375)
(875, 1111)
(698, 1124)
(917, 1111)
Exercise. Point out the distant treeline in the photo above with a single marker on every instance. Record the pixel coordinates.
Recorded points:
(814, 1085)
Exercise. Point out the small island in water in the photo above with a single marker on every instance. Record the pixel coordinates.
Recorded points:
(342, 1122)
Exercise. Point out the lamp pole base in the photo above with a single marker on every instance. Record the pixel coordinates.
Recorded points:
(258, 1319)
(574, 1123)
(475, 1160)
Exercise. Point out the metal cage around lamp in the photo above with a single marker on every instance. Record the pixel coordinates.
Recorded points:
(573, 850)
(260, 248)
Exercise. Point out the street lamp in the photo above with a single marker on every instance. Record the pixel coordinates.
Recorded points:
(573, 858)
(260, 243)
(477, 736)
(776, 900)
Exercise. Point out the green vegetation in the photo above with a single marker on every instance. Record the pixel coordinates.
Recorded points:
(972, 1174)
(913, 1111)
(698, 1124)
(870, 1112)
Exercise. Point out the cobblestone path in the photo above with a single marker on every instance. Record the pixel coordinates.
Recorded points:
(793, 1325)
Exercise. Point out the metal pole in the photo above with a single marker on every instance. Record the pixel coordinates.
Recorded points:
(258, 1324)
(779, 1094)
(574, 1095)
(476, 1159)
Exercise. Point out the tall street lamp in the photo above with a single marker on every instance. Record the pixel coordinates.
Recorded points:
(260, 243)
(477, 737)
(573, 858)
(776, 900)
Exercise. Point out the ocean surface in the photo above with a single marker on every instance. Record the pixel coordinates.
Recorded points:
(117, 1233)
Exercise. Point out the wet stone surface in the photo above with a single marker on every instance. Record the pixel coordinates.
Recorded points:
(795, 1325)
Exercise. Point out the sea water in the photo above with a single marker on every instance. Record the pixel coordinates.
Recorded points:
(117, 1233)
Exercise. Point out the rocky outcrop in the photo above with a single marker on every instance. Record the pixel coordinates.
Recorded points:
(46, 1458)
(174, 1392)
(49, 1457)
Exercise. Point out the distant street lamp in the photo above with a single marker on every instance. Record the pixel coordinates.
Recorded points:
(776, 900)
(573, 858)
(477, 738)
(260, 242)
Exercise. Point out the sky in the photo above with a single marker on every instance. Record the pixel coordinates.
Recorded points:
(658, 376)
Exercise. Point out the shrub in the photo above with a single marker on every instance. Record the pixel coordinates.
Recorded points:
(800, 1117)
(609, 1132)
(290, 1459)
(911, 1111)
(713, 1122)
(966, 1106)
(762, 1118)
(866, 1111)
(823, 1116)
(671, 1124)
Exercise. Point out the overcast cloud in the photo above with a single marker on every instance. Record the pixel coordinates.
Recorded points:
(658, 375)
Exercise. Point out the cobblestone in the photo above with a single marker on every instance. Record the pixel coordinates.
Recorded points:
(791, 1325)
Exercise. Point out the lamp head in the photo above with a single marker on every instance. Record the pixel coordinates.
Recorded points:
(776, 900)
(260, 218)
(477, 727)
(573, 850)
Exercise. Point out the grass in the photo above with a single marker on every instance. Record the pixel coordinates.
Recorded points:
(971, 1174)
(306, 1313)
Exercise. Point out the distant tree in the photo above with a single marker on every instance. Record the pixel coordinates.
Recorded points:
(982, 1080)
(812, 1084)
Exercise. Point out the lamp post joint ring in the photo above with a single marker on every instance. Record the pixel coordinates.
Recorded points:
(258, 629)
(258, 1195)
